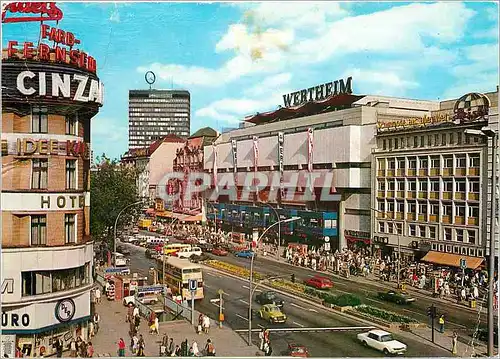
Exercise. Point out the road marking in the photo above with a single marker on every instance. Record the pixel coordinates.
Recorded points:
(213, 275)
(242, 317)
(260, 326)
(312, 310)
(246, 287)
(217, 305)
(206, 286)
(300, 325)
(244, 301)
(295, 305)
(376, 301)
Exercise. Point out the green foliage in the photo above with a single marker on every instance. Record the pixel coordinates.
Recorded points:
(341, 300)
(385, 315)
(113, 187)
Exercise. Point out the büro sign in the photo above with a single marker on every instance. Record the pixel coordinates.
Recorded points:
(31, 11)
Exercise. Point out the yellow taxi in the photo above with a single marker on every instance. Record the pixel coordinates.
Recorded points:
(272, 314)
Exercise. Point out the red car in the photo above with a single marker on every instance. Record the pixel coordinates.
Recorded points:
(190, 240)
(298, 351)
(319, 282)
(219, 252)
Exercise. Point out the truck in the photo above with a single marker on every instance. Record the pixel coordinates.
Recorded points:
(145, 223)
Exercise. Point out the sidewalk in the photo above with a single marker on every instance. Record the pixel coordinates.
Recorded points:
(113, 327)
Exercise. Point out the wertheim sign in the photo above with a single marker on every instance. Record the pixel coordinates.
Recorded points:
(318, 93)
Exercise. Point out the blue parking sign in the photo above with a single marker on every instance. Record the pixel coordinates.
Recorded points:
(463, 263)
(193, 285)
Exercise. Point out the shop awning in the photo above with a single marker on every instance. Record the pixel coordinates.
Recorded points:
(150, 211)
(166, 214)
(452, 260)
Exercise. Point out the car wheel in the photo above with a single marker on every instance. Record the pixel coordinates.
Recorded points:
(260, 314)
(385, 351)
(365, 343)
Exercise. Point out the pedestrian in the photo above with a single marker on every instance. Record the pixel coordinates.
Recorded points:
(90, 350)
(72, 348)
(171, 347)
(135, 311)
(210, 348)
(177, 352)
(164, 340)
(58, 345)
(91, 330)
(194, 346)
(121, 348)
(200, 324)
(184, 348)
(206, 324)
(96, 319)
(137, 322)
(454, 342)
(267, 349)
(141, 346)
(135, 344)
(97, 295)
(261, 337)
(441, 323)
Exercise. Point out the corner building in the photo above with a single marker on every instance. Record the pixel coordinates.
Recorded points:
(47, 251)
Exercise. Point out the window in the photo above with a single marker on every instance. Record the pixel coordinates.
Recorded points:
(70, 174)
(412, 230)
(396, 143)
(384, 144)
(446, 210)
(474, 211)
(448, 186)
(421, 231)
(460, 211)
(391, 164)
(412, 186)
(435, 162)
(390, 206)
(381, 185)
(381, 227)
(39, 173)
(400, 185)
(390, 185)
(459, 235)
(400, 206)
(412, 163)
(39, 120)
(434, 186)
(415, 141)
(447, 234)
(399, 228)
(401, 163)
(422, 141)
(460, 186)
(474, 161)
(422, 185)
(436, 139)
(38, 230)
(412, 207)
(474, 186)
(432, 232)
(460, 138)
(443, 139)
(71, 124)
(381, 164)
(434, 209)
(461, 162)
(36, 283)
(471, 236)
(422, 208)
(448, 162)
(69, 228)
(423, 163)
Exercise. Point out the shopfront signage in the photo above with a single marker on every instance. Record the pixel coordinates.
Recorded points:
(318, 93)
(357, 234)
(33, 11)
(411, 122)
(65, 310)
(60, 50)
(61, 201)
(8, 286)
(8, 347)
(31, 146)
(151, 289)
(16, 320)
(116, 270)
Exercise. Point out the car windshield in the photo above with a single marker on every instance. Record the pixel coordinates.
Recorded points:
(271, 295)
(298, 350)
(386, 338)
(273, 308)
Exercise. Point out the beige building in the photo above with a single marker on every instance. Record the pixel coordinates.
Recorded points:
(430, 180)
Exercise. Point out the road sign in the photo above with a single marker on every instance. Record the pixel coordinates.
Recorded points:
(327, 246)
(193, 285)
(463, 263)
(114, 270)
(327, 239)
(215, 300)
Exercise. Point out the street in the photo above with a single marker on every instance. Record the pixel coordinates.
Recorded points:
(299, 314)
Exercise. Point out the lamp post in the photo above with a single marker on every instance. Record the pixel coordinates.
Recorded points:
(399, 243)
(250, 280)
(215, 215)
(279, 226)
(116, 222)
(490, 133)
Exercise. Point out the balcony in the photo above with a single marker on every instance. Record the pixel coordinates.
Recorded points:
(434, 171)
(460, 195)
(399, 215)
(381, 194)
(434, 195)
(422, 194)
(460, 171)
(446, 219)
(380, 173)
(390, 194)
(411, 194)
(447, 195)
(422, 217)
(473, 221)
(380, 215)
(459, 220)
(433, 218)
(410, 216)
(472, 196)
(389, 215)
(390, 173)
(422, 172)
(473, 171)
(447, 171)
(411, 172)
(400, 194)
(400, 172)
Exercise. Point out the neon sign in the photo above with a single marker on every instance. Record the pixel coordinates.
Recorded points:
(49, 9)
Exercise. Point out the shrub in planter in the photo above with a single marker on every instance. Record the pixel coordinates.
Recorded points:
(385, 315)
(347, 300)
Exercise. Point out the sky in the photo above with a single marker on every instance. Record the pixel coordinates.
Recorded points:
(239, 58)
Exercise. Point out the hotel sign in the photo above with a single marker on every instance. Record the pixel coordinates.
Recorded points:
(39, 147)
(318, 93)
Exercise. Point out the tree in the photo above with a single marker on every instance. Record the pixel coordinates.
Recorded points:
(113, 187)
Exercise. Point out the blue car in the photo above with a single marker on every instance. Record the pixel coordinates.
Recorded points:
(245, 254)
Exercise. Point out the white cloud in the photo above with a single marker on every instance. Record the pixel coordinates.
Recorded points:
(270, 84)
(101, 129)
(376, 82)
(268, 40)
(491, 33)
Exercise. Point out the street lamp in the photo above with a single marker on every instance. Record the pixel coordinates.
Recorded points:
(250, 280)
(490, 133)
(278, 218)
(116, 222)
(399, 242)
(215, 215)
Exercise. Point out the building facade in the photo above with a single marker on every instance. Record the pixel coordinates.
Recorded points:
(431, 186)
(189, 159)
(47, 252)
(153, 114)
(316, 158)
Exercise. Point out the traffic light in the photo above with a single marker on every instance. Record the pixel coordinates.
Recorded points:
(429, 311)
(292, 277)
(432, 311)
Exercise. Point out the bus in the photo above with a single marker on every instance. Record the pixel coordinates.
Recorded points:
(178, 272)
(120, 260)
(170, 249)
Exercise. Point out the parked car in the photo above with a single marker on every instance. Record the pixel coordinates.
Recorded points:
(206, 247)
(382, 341)
(319, 282)
(218, 251)
(197, 259)
(272, 314)
(188, 252)
(269, 297)
(123, 250)
(245, 254)
(148, 298)
(395, 297)
(297, 351)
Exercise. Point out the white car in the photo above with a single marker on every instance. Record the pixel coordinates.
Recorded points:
(382, 341)
(143, 298)
(188, 252)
